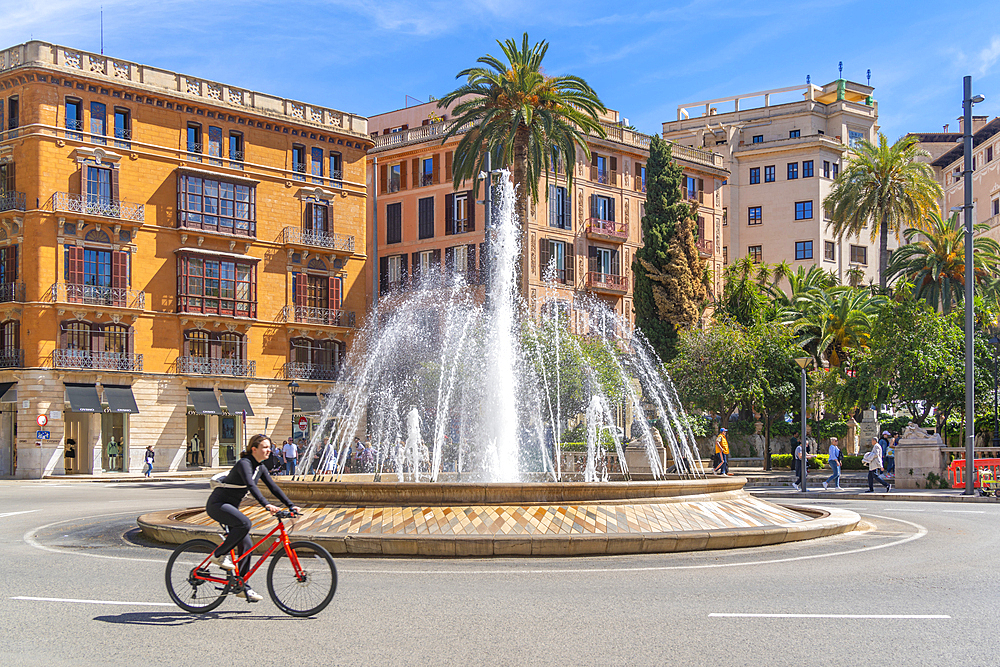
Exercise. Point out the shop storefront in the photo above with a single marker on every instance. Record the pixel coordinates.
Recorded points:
(215, 434)
(97, 433)
(8, 428)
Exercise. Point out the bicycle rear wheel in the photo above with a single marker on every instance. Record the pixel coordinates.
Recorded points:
(308, 593)
(189, 592)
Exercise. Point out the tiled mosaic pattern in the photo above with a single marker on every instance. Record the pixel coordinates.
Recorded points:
(530, 519)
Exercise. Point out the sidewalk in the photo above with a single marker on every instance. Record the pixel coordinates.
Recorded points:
(133, 477)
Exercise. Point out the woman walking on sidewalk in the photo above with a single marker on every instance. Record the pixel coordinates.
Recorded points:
(836, 461)
(149, 456)
(874, 461)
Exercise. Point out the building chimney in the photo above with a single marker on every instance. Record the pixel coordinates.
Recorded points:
(946, 128)
(961, 124)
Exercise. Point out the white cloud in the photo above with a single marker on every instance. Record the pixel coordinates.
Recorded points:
(989, 56)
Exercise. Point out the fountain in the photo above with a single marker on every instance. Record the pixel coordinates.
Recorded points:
(468, 404)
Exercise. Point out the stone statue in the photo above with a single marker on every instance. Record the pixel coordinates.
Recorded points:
(757, 439)
(851, 440)
(912, 432)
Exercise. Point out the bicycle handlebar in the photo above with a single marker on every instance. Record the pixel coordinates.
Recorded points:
(286, 514)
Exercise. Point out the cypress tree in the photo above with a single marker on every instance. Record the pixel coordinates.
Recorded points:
(669, 283)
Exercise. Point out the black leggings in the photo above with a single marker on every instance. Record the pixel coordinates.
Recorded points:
(239, 531)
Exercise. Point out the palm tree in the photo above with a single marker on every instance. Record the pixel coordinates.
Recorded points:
(933, 259)
(885, 187)
(526, 120)
(836, 321)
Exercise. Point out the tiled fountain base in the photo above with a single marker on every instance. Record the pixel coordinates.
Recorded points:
(722, 520)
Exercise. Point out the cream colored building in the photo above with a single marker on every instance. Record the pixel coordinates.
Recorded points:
(783, 148)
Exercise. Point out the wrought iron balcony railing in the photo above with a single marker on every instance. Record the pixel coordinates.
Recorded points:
(123, 137)
(299, 168)
(607, 282)
(426, 179)
(605, 176)
(11, 292)
(236, 159)
(310, 315)
(295, 235)
(89, 359)
(98, 295)
(73, 129)
(296, 370)
(608, 229)
(208, 366)
(11, 358)
(706, 247)
(12, 201)
(102, 206)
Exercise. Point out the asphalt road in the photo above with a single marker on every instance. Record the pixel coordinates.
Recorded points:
(919, 588)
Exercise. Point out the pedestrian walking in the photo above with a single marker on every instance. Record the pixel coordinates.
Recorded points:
(290, 453)
(722, 451)
(836, 462)
(800, 461)
(874, 461)
(148, 459)
(890, 456)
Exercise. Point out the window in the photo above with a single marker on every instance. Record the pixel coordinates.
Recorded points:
(317, 219)
(989, 154)
(459, 215)
(336, 166)
(425, 218)
(725, 254)
(394, 223)
(602, 208)
(803, 250)
(98, 123)
(216, 205)
(758, 138)
(236, 150)
(725, 216)
(803, 210)
(96, 276)
(427, 172)
(99, 192)
(10, 344)
(393, 272)
(13, 116)
(693, 186)
(836, 169)
(215, 353)
(603, 169)
(859, 255)
(996, 207)
(640, 177)
(755, 253)
(754, 175)
(604, 261)
(395, 177)
(299, 161)
(556, 261)
(855, 138)
(794, 134)
(793, 170)
(87, 345)
(807, 169)
(457, 259)
(194, 145)
(754, 215)
(218, 286)
(425, 261)
(215, 145)
(316, 165)
(123, 128)
(74, 119)
(826, 169)
(316, 293)
(320, 358)
(560, 208)
(8, 272)
(829, 250)
(769, 174)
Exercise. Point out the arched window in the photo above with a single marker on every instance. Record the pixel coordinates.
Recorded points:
(231, 346)
(11, 354)
(77, 336)
(97, 237)
(317, 359)
(214, 353)
(116, 339)
(197, 344)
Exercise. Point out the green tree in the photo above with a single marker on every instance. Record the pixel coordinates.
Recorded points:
(775, 388)
(884, 188)
(511, 109)
(933, 259)
(836, 322)
(669, 284)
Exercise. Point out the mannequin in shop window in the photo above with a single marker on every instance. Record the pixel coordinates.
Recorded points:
(195, 450)
(113, 454)
(69, 454)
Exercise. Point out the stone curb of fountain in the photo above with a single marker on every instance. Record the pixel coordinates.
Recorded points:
(908, 495)
(169, 527)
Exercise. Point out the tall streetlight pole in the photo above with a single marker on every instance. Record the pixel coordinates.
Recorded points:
(803, 362)
(970, 399)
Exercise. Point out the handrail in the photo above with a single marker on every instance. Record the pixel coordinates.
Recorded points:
(102, 206)
(329, 240)
(98, 295)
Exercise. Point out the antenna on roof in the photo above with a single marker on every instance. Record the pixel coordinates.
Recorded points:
(808, 80)
(102, 30)
(869, 78)
(841, 67)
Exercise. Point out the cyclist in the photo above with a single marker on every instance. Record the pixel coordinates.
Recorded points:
(223, 506)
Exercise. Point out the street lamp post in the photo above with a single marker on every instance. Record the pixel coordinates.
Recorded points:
(293, 387)
(995, 342)
(803, 362)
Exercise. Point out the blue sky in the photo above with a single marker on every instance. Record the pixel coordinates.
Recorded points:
(643, 58)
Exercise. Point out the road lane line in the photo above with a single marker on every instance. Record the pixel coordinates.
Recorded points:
(964, 511)
(6, 514)
(118, 602)
(29, 538)
(848, 616)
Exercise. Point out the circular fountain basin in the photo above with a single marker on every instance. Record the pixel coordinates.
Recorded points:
(461, 519)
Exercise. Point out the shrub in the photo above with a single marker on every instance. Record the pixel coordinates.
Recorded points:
(785, 461)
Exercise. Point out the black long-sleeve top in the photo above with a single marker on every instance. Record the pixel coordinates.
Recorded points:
(245, 474)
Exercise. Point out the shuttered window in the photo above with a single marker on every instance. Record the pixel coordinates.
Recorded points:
(394, 223)
(425, 218)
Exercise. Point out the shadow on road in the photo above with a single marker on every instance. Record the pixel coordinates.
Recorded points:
(177, 618)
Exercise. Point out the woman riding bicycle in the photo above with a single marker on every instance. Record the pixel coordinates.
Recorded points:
(223, 506)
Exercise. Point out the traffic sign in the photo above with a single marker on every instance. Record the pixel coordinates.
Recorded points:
(42, 435)
(42, 420)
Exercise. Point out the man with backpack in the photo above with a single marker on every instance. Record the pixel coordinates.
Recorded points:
(836, 462)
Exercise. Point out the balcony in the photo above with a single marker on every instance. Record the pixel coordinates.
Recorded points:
(326, 316)
(91, 360)
(236, 159)
(107, 208)
(299, 168)
(123, 138)
(706, 248)
(296, 370)
(98, 295)
(12, 201)
(11, 358)
(209, 366)
(426, 179)
(74, 129)
(603, 176)
(607, 230)
(195, 150)
(330, 241)
(11, 292)
(606, 282)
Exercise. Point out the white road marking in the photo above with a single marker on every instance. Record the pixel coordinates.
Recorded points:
(118, 602)
(29, 538)
(965, 511)
(890, 616)
(6, 514)
(902, 510)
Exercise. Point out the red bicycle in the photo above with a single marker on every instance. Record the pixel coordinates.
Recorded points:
(301, 579)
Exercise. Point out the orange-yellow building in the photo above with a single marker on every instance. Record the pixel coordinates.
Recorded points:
(175, 252)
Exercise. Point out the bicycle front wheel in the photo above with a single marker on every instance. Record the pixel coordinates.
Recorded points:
(187, 571)
(307, 591)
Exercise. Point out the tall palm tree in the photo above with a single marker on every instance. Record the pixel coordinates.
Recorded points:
(884, 187)
(933, 259)
(836, 321)
(526, 120)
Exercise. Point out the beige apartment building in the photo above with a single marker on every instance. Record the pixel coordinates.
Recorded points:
(182, 263)
(947, 151)
(783, 148)
(588, 234)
